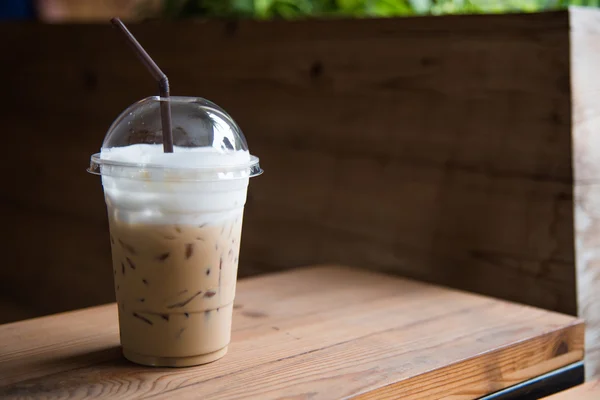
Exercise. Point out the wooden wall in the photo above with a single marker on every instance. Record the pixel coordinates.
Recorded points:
(436, 148)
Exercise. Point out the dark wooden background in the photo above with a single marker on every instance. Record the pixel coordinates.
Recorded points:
(436, 148)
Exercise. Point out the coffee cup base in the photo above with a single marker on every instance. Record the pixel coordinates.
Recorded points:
(190, 361)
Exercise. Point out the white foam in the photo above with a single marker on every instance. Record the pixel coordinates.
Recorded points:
(182, 157)
(138, 196)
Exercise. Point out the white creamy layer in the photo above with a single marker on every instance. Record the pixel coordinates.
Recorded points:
(182, 157)
(143, 196)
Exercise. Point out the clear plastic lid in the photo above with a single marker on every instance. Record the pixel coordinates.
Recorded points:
(208, 144)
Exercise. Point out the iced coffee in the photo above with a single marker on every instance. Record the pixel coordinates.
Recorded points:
(175, 228)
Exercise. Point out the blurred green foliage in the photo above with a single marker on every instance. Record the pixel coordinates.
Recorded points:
(294, 9)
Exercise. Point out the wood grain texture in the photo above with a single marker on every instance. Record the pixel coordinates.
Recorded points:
(585, 45)
(319, 333)
(587, 391)
(437, 148)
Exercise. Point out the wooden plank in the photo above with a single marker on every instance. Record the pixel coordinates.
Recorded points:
(437, 148)
(585, 45)
(52, 262)
(53, 344)
(587, 391)
(11, 311)
(323, 332)
(438, 245)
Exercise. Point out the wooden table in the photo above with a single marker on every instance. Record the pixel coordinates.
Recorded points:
(313, 333)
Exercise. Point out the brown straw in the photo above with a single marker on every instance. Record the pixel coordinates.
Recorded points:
(161, 78)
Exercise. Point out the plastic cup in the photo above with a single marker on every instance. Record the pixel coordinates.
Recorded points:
(175, 228)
